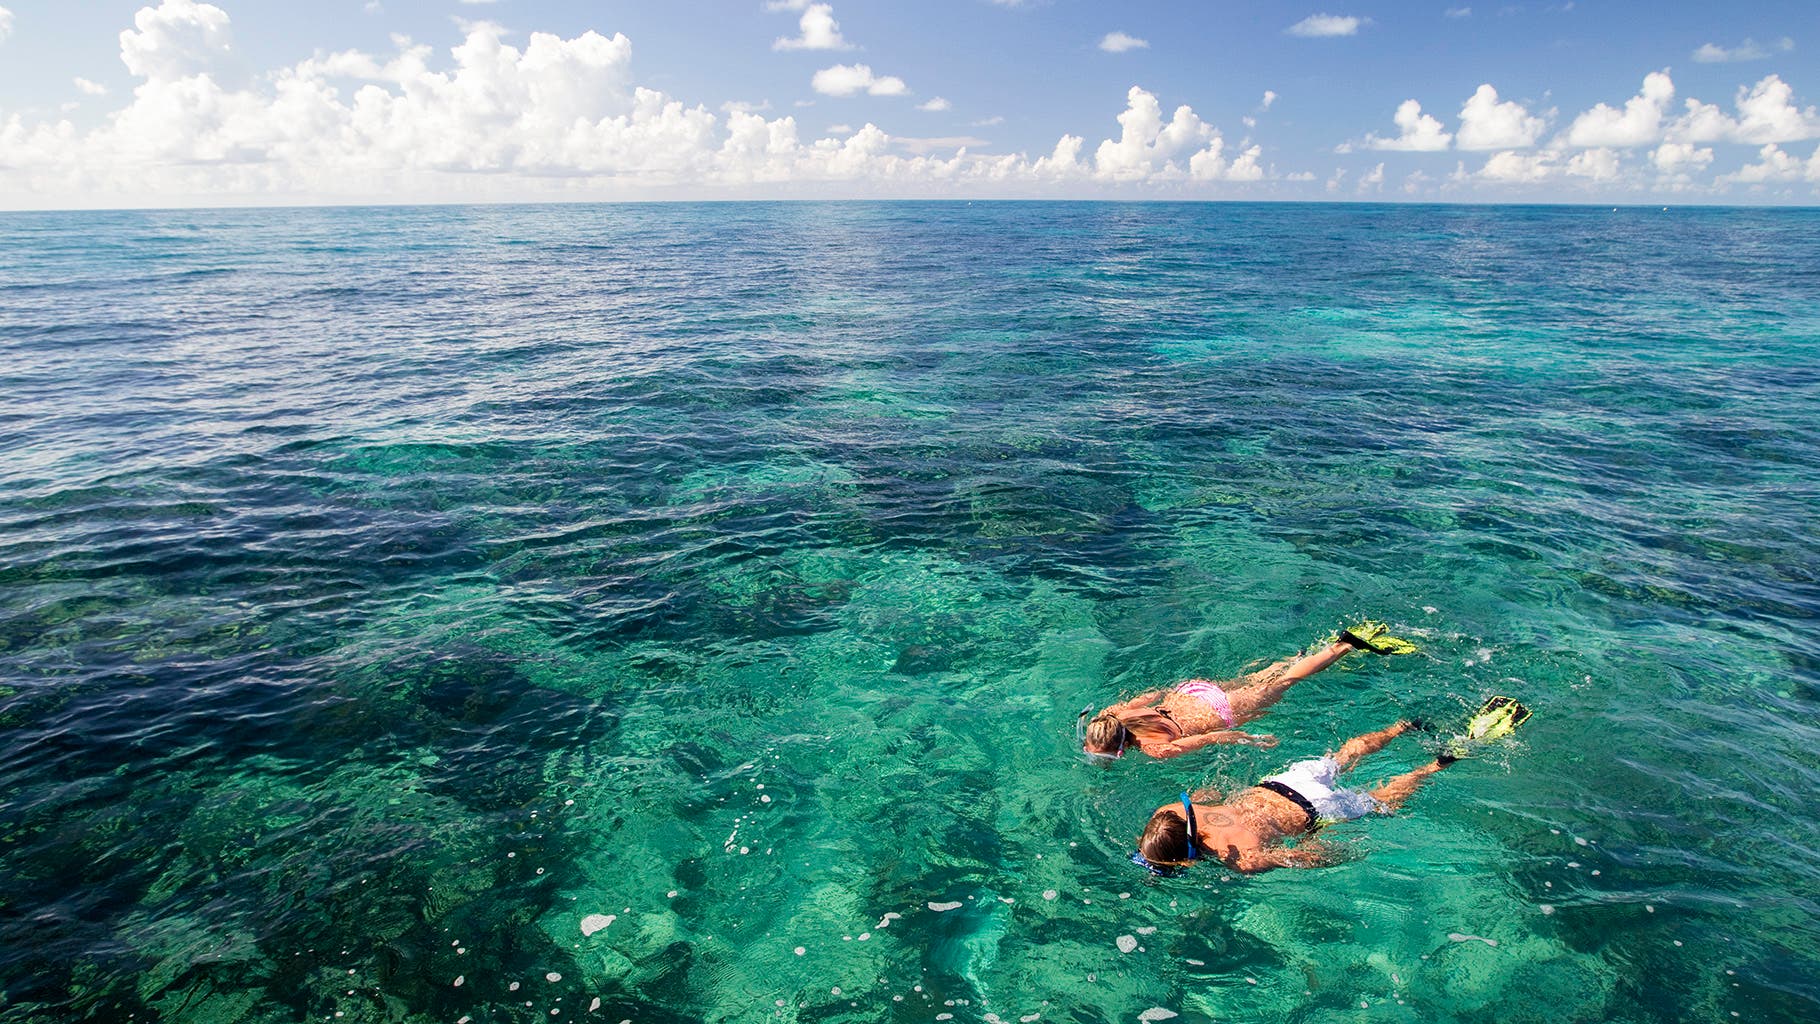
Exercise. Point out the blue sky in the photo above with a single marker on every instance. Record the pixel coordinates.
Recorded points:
(181, 102)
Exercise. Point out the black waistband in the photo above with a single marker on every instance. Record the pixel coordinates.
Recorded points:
(1314, 820)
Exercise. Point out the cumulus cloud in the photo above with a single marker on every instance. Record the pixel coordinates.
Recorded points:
(935, 105)
(88, 88)
(1681, 159)
(1119, 42)
(1595, 164)
(176, 39)
(1512, 167)
(1774, 165)
(1766, 113)
(1750, 49)
(6, 24)
(816, 30)
(486, 119)
(1319, 25)
(1417, 132)
(1638, 123)
(1373, 181)
(1270, 97)
(852, 79)
(1487, 124)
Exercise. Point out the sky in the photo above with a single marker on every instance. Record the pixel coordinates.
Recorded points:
(187, 103)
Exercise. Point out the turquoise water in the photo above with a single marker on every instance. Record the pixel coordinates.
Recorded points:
(475, 613)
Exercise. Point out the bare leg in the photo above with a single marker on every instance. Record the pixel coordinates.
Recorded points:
(1257, 691)
(1392, 794)
(1370, 743)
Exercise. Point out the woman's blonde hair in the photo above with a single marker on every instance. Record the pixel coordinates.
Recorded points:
(1110, 732)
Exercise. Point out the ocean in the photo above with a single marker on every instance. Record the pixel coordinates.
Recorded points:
(671, 613)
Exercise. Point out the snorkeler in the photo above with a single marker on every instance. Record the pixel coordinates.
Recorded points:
(1246, 832)
(1199, 713)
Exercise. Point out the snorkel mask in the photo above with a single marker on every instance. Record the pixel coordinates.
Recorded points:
(1171, 870)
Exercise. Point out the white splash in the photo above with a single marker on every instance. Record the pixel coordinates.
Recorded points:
(942, 908)
(1156, 1013)
(1127, 943)
(595, 922)
(885, 922)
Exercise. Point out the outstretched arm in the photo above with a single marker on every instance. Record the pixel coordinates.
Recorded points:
(1175, 748)
(1307, 855)
(1142, 700)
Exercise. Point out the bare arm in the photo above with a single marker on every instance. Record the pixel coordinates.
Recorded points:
(1207, 739)
(1142, 700)
(1307, 855)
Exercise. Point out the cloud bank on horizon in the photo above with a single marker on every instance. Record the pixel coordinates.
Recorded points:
(495, 117)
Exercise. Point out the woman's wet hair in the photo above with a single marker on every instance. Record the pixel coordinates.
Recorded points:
(1106, 734)
(1165, 838)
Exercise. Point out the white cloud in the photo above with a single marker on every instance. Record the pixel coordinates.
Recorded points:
(175, 39)
(1766, 113)
(555, 117)
(1638, 124)
(1681, 158)
(1596, 164)
(1773, 165)
(1147, 144)
(935, 105)
(988, 122)
(1457, 12)
(1373, 181)
(1318, 25)
(1270, 97)
(786, 5)
(1511, 167)
(1418, 132)
(1750, 49)
(6, 24)
(1249, 121)
(817, 31)
(1119, 42)
(1487, 124)
(88, 88)
(851, 79)
(1415, 183)
(744, 106)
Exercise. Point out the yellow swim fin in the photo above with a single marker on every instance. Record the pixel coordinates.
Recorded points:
(1376, 638)
(1498, 717)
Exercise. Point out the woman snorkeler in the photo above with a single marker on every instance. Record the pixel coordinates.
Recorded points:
(1199, 713)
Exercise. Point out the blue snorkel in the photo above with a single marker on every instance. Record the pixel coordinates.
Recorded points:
(1171, 870)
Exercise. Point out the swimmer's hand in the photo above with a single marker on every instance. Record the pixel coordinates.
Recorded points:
(1264, 740)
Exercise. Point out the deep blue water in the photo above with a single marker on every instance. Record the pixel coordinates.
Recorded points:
(388, 597)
